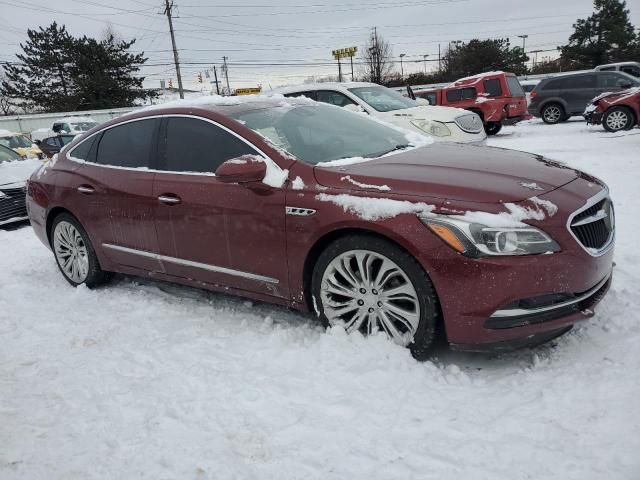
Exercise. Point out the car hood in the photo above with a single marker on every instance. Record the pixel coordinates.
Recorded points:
(17, 171)
(619, 95)
(424, 112)
(453, 172)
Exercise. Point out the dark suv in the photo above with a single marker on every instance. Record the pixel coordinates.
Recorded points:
(556, 99)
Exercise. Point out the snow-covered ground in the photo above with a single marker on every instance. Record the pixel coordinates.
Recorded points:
(143, 380)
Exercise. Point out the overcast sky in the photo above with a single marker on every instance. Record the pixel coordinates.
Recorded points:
(294, 31)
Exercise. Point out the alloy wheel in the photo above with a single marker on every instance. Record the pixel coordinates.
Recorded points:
(617, 120)
(365, 291)
(552, 114)
(71, 252)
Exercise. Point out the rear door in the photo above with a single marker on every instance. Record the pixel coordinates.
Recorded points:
(219, 233)
(113, 192)
(579, 91)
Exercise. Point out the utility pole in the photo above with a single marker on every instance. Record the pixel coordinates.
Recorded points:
(339, 70)
(215, 77)
(425, 62)
(401, 67)
(168, 7)
(439, 60)
(524, 39)
(226, 74)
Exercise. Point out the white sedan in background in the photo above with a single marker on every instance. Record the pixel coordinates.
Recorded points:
(443, 124)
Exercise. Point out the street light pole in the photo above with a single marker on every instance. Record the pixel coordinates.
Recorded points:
(425, 63)
(401, 68)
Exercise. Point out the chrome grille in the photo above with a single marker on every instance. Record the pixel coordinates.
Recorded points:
(470, 123)
(13, 203)
(593, 226)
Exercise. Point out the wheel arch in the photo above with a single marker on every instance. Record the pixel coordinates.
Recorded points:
(634, 116)
(52, 214)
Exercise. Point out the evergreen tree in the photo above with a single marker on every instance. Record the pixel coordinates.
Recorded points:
(606, 36)
(57, 72)
(104, 73)
(478, 56)
(41, 74)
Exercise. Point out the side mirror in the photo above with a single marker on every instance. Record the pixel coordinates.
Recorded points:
(244, 169)
(423, 101)
(352, 107)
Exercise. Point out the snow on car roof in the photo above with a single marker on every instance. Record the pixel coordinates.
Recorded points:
(212, 102)
(323, 86)
(475, 78)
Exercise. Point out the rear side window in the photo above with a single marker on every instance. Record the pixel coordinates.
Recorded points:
(492, 87)
(128, 145)
(82, 151)
(461, 94)
(583, 81)
(194, 145)
(515, 88)
(556, 84)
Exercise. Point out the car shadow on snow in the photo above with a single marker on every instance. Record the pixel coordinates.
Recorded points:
(9, 227)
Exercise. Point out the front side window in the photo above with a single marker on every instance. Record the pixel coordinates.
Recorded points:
(631, 70)
(613, 80)
(334, 98)
(128, 145)
(193, 145)
(383, 99)
(82, 126)
(492, 87)
(321, 133)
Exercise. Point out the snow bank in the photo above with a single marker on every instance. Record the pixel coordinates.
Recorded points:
(368, 208)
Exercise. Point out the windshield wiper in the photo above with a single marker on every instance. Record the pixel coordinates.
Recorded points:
(384, 152)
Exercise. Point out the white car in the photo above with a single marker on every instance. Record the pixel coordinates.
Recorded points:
(14, 172)
(444, 124)
(67, 125)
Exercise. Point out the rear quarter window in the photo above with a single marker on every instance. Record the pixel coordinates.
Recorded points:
(492, 87)
(515, 88)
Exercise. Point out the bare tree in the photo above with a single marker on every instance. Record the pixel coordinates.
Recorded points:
(377, 59)
(6, 107)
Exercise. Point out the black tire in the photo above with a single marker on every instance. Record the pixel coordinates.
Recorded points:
(95, 275)
(618, 118)
(492, 128)
(425, 333)
(553, 113)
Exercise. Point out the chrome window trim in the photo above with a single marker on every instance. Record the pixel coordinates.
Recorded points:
(601, 195)
(515, 312)
(190, 263)
(173, 172)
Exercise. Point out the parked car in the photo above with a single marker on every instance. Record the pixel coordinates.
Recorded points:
(68, 125)
(558, 98)
(442, 124)
(630, 68)
(615, 111)
(494, 248)
(20, 144)
(496, 97)
(52, 145)
(14, 171)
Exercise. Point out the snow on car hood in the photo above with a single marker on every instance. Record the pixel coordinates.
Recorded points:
(423, 112)
(18, 171)
(453, 172)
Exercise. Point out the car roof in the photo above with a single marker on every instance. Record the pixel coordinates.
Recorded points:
(306, 87)
(585, 72)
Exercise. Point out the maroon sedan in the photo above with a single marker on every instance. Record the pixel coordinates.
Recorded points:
(321, 209)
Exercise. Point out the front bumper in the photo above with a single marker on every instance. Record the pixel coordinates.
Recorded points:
(593, 118)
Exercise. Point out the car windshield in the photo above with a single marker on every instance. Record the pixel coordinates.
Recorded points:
(383, 99)
(7, 155)
(322, 133)
(15, 141)
(83, 126)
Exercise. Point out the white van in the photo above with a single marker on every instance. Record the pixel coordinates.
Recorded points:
(443, 124)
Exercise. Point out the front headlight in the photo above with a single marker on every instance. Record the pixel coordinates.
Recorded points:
(477, 240)
(437, 129)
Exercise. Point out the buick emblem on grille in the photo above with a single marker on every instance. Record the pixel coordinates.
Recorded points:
(593, 225)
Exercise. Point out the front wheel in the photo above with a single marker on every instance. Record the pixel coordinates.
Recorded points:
(616, 119)
(367, 284)
(492, 128)
(74, 253)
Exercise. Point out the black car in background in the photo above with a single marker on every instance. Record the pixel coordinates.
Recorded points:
(555, 99)
(52, 145)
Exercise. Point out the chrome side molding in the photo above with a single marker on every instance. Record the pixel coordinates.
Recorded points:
(190, 263)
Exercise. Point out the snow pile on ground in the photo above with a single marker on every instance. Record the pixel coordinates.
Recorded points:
(145, 380)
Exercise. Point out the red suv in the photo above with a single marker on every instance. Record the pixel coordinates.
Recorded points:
(615, 110)
(321, 209)
(496, 96)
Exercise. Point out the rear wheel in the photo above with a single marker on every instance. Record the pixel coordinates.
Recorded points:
(492, 128)
(617, 118)
(367, 284)
(553, 113)
(74, 253)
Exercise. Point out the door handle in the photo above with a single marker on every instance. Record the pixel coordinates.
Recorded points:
(86, 189)
(169, 199)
